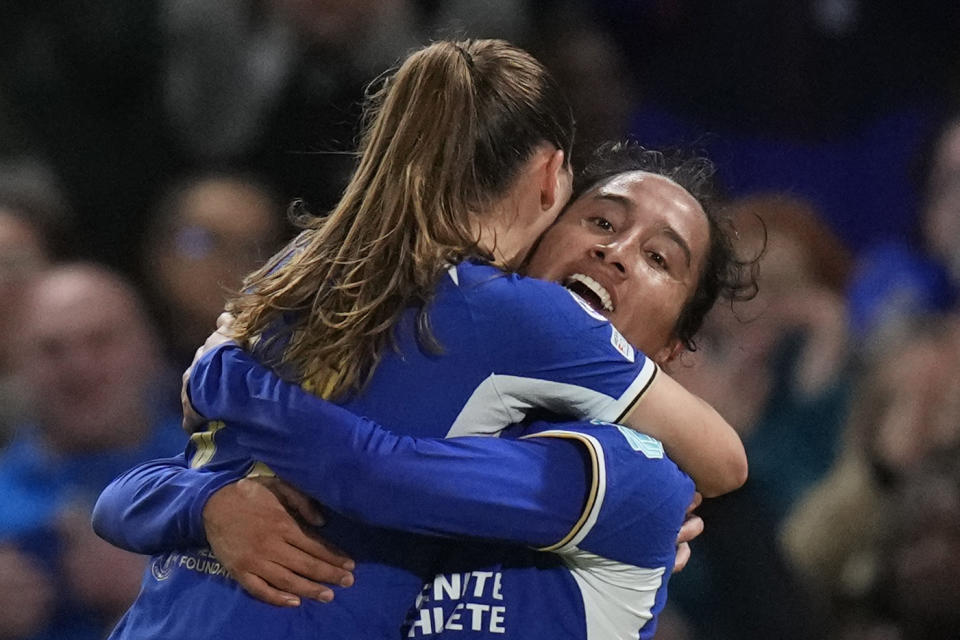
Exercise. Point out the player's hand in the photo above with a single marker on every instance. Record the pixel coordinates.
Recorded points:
(691, 528)
(192, 421)
(265, 549)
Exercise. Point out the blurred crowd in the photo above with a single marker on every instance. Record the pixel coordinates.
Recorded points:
(148, 150)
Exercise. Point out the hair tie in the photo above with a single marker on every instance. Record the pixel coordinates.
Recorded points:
(465, 55)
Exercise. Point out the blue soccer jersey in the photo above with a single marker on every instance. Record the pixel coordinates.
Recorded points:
(606, 581)
(613, 549)
(511, 346)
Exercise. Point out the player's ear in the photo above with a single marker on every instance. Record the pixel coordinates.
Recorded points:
(555, 181)
(670, 352)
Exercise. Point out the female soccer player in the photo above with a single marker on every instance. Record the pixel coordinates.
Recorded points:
(531, 492)
(484, 170)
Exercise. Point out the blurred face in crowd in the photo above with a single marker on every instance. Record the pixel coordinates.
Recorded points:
(917, 401)
(785, 267)
(90, 358)
(633, 248)
(756, 326)
(222, 229)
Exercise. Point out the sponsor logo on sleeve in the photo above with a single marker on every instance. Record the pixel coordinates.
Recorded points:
(620, 344)
(650, 447)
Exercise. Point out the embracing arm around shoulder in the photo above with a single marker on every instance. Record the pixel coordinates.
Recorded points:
(450, 487)
(553, 344)
(698, 439)
(157, 506)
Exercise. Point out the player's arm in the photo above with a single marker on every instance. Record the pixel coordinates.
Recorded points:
(524, 492)
(625, 552)
(642, 496)
(157, 506)
(694, 434)
(160, 505)
(562, 356)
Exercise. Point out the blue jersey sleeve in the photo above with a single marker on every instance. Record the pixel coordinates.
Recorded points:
(158, 505)
(524, 492)
(622, 554)
(545, 349)
(638, 498)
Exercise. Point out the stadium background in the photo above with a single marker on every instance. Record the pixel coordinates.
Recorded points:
(161, 140)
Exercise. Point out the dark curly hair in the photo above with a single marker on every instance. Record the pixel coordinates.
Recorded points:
(724, 273)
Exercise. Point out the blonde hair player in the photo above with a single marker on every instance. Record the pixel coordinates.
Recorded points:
(463, 163)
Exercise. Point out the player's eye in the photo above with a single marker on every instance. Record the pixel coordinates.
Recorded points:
(658, 259)
(602, 223)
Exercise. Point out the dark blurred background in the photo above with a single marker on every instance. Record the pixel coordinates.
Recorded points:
(148, 150)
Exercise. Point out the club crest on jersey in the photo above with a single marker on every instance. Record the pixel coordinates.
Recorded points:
(620, 344)
(593, 313)
(162, 566)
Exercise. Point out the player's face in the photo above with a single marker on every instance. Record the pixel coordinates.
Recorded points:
(633, 248)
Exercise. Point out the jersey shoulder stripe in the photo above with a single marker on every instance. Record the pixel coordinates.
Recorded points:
(504, 399)
(629, 399)
(640, 499)
(623, 549)
(595, 494)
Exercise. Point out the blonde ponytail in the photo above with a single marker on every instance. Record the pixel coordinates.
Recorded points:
(433, 153)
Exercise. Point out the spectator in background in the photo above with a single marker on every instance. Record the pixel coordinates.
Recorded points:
(27, 594)
(273, 85)
(79, 83)
(22, 256)
(906, 410)
(921, 554)
(590, 66)
(788, 346)
(941, 214)
(33, 217)
(897, 280)
(90, 362)
(208, 233)
(776, 367)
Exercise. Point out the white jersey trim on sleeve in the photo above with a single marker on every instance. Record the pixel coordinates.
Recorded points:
(623, 405)
(595, 495)
(502, 400)
(618, 598)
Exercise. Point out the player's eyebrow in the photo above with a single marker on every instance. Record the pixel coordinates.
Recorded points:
(672, 233)
(624, 202)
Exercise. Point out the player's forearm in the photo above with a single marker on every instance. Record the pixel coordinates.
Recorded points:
(698, 439)
(476, 487)
(524, 492)
(157, 506)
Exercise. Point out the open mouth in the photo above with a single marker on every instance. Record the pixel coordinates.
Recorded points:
(590, 290)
